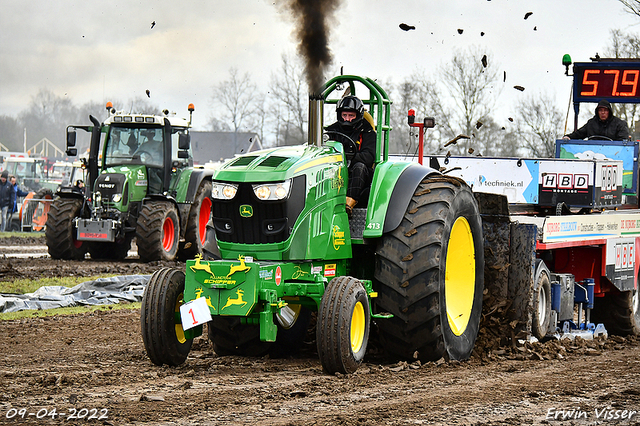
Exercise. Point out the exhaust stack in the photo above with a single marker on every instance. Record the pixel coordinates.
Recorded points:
(316, 111)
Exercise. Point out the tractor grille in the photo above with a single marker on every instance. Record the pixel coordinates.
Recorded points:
(109, 184)
(271, 221)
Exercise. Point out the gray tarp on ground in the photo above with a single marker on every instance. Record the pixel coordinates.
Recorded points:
(103, 291)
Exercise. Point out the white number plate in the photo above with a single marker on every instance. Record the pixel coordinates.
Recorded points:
(194, 313)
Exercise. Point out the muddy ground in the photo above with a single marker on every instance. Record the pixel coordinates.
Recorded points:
(94, 365)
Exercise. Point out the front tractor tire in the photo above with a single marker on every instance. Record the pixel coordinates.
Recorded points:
(162, 332)
(60, 231)
(430, 274)
(199, 215)
(158, 231)
(342, 330)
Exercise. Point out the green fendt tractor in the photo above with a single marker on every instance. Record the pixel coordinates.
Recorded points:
(410, 258)
(141, 184)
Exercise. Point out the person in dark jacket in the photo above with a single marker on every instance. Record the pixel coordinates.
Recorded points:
(352, 126)
(604, 124)
(7, 198)
(18, 193)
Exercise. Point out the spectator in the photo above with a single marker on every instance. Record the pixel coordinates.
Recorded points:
(18, 193)
(7, 197)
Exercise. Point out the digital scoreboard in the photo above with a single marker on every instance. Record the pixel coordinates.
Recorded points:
(613, 81)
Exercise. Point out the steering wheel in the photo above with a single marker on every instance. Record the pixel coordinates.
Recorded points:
(145, 156)
(350, 146)
(598, 138)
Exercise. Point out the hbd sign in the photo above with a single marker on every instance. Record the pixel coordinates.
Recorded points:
(625, 257)
(609, 176)
(565, 181)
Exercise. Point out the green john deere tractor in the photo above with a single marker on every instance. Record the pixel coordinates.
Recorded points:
(141, 183)
(410, 258)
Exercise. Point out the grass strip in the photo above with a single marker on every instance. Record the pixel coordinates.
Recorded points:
(74, 310)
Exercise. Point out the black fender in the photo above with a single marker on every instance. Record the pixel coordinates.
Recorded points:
(404, 189)
(94, 151)
(197, 176)
(195, 179)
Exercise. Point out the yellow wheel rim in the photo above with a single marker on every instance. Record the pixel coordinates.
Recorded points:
(357, 327)
(460, 276)
(178, 326)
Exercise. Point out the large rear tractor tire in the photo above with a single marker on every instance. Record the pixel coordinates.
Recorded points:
(230, 337)
(619, 312)
(429, 274)
(157, 234)
(342, 331)
(162, 331)
(196, 232)
(61, 233)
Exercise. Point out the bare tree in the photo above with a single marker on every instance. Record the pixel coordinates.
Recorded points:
(216, 125)
(97, 109)
(141, 105)
(632, 6)
(290, 92)
(626, 45)
(261, 116)
(237, 98)
(539, 125)
(47, 117)
(419, 93)
(11, 133)
(467, 88)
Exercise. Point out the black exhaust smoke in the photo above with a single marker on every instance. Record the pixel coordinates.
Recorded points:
(312, 18)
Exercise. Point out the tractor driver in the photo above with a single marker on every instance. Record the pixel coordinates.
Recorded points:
(152, 146)
(151, 154)
(353, 125)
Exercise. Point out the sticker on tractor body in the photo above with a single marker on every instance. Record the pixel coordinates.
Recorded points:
(330, 270)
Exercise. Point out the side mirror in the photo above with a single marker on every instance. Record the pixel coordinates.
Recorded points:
(72, 152)
(183, 154)
(184, 141)
(71, 138)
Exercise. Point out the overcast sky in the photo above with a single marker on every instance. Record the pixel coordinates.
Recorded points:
(90, 51)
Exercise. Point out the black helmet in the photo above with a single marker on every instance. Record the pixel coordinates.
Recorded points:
(354, 104)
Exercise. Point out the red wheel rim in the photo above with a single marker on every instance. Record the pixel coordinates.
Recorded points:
(168, 239)
(205, 214)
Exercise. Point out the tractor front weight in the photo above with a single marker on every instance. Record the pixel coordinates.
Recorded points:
(257, 291)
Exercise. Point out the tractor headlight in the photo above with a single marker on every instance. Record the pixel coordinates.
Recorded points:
(116, 198)
(223, 191)
(272, 191)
